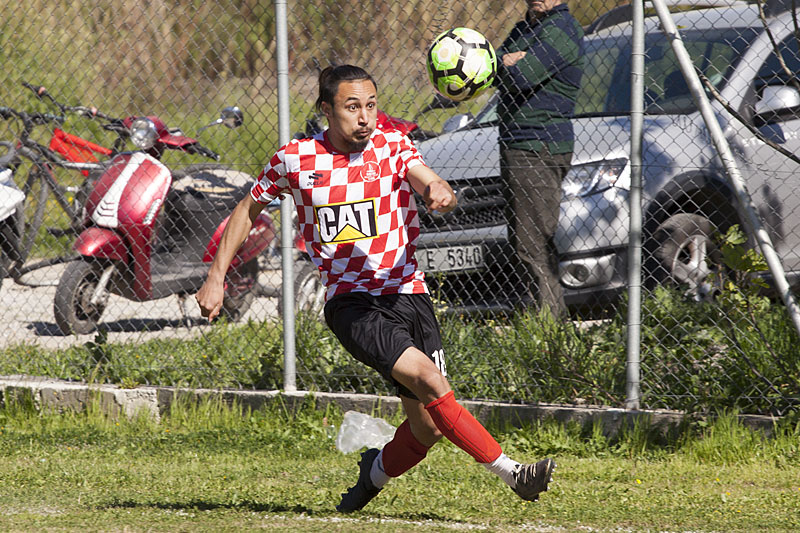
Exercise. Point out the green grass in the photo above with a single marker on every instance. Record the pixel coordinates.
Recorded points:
(689, 361)
(208, 467)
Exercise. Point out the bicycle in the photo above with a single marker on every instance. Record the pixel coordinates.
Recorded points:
(38, 183)
(77, 149)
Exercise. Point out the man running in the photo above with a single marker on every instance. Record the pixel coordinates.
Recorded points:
(353, 186)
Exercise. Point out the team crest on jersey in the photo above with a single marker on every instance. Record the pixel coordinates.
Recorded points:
(370, 171)
(346, 222)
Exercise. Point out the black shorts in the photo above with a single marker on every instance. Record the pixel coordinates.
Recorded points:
(376, 330)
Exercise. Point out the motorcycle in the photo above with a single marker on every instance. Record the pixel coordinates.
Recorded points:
(151, 232)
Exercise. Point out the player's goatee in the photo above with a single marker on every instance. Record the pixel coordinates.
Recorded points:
(358, 146)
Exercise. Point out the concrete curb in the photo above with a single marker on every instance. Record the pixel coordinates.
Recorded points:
(59, 396)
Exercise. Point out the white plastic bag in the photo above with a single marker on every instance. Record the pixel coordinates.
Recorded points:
(359, 430)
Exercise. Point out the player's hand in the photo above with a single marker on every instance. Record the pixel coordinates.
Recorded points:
(439, 197)
(209, 298)
(510, 59)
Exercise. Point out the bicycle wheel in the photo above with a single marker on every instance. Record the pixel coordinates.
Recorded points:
(36, 192)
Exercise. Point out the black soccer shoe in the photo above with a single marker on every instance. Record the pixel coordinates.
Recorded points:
(363, 491)
(531, 480)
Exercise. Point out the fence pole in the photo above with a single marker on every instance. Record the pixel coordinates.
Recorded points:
(724, 151)
(632, 369)
(287, 227)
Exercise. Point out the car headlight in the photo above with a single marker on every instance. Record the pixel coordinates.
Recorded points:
(143, 133)
(591, 178)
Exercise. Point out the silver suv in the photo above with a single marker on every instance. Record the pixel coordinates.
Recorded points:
(686, 196)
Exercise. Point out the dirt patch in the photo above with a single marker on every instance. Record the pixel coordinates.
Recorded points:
(28, 314)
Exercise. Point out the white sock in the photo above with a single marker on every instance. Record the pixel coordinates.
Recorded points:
(504, 467)
(377, 475)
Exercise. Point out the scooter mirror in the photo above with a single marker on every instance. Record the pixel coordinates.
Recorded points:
(232, 117)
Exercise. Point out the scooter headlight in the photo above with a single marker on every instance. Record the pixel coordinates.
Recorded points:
(144, 133)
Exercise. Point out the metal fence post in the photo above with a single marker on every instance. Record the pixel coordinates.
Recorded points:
(287, 227)
(632, 370)
(725, 154)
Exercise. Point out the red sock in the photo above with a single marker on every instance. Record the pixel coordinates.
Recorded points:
(458, 425)
(403, 451)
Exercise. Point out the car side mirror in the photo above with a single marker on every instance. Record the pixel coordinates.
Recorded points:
(776, 101)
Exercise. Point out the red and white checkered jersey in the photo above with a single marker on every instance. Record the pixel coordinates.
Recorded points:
(356, 211)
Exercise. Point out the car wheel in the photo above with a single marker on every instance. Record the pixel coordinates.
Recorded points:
(687, 254)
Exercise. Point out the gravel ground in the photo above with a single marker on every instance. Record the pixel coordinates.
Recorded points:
(28, 314)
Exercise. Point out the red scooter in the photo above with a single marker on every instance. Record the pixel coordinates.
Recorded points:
(151, 232)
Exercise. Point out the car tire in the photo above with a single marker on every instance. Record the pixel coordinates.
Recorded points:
(686, 254)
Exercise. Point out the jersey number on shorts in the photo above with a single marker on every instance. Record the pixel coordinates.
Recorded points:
(438, 360)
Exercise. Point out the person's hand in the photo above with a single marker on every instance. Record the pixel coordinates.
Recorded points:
(209, 298)
(510, 59)
(439, 197)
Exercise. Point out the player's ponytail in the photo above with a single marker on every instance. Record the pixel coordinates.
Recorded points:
(330, 77)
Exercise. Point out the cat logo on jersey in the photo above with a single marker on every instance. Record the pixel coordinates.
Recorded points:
(347, 222)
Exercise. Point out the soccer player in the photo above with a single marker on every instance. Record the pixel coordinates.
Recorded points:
(353, 186)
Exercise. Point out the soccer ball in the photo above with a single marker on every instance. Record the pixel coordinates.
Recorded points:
(461, 64)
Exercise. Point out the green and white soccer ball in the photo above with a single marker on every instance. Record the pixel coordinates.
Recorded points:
(461, 64)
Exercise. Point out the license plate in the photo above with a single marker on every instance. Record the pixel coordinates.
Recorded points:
(451, 258)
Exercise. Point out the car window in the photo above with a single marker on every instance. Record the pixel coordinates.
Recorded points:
(772, 72)
(487, 115)
(601, 60)
(605, 88)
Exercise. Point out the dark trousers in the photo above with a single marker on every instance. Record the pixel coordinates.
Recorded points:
(533, 195)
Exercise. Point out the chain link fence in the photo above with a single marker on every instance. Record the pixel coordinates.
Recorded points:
(713, 332)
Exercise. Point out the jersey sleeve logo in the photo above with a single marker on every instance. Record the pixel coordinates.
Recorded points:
(346, 222)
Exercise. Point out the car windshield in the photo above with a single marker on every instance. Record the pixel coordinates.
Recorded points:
(606, 84)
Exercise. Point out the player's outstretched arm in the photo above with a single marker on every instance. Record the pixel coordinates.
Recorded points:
(436, 192)
(210, 295)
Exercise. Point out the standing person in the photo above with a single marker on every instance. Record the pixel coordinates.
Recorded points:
(353, 187)
(539, 74)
